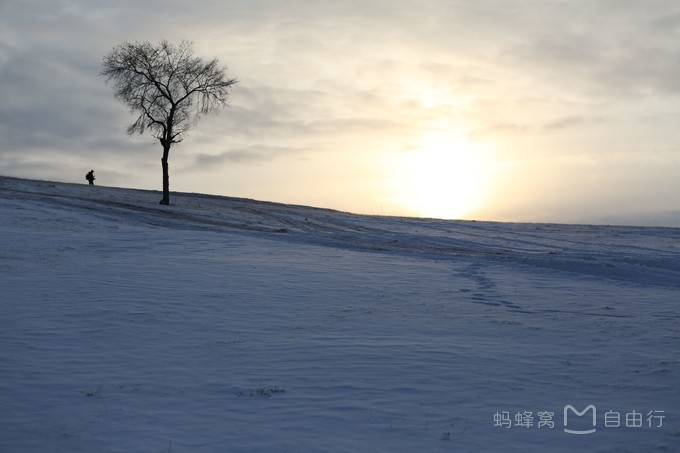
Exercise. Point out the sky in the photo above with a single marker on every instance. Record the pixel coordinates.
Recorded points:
(507, 110)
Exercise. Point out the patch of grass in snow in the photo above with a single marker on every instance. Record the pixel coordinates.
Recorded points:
(260, 390)
(94, 393)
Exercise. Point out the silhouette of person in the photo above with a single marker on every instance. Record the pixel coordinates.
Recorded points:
(90, 177)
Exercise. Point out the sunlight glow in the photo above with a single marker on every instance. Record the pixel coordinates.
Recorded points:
(444, 176)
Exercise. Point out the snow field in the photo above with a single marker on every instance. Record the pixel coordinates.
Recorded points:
(206, 327)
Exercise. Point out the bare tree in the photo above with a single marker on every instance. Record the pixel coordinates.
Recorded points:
(168, 88)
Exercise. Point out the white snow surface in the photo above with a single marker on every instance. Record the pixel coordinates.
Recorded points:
(222, 324)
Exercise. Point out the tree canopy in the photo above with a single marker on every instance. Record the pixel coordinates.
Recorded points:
(167, 88)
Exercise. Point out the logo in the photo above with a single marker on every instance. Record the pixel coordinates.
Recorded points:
(580, 422)
(587, 427)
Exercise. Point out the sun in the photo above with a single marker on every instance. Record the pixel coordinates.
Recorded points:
(443, 176)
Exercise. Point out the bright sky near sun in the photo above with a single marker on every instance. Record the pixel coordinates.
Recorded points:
(550, 110)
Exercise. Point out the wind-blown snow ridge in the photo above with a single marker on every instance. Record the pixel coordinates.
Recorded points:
(648, 255)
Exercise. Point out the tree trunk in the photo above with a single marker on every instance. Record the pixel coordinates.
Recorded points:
(166, 177)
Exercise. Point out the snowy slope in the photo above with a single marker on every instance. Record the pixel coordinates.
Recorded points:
(221, 324)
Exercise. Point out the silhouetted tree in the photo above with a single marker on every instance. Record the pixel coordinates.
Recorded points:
(168, 88)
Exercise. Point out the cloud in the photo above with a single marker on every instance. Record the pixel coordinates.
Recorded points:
(566, 123)
(247, 155)
(603, 49)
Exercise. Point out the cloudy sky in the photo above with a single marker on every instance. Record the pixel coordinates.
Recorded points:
(532, 110)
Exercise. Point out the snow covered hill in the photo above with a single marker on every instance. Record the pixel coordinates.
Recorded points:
(222, 324)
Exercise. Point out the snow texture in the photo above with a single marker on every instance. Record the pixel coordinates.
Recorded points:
(221, 324)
